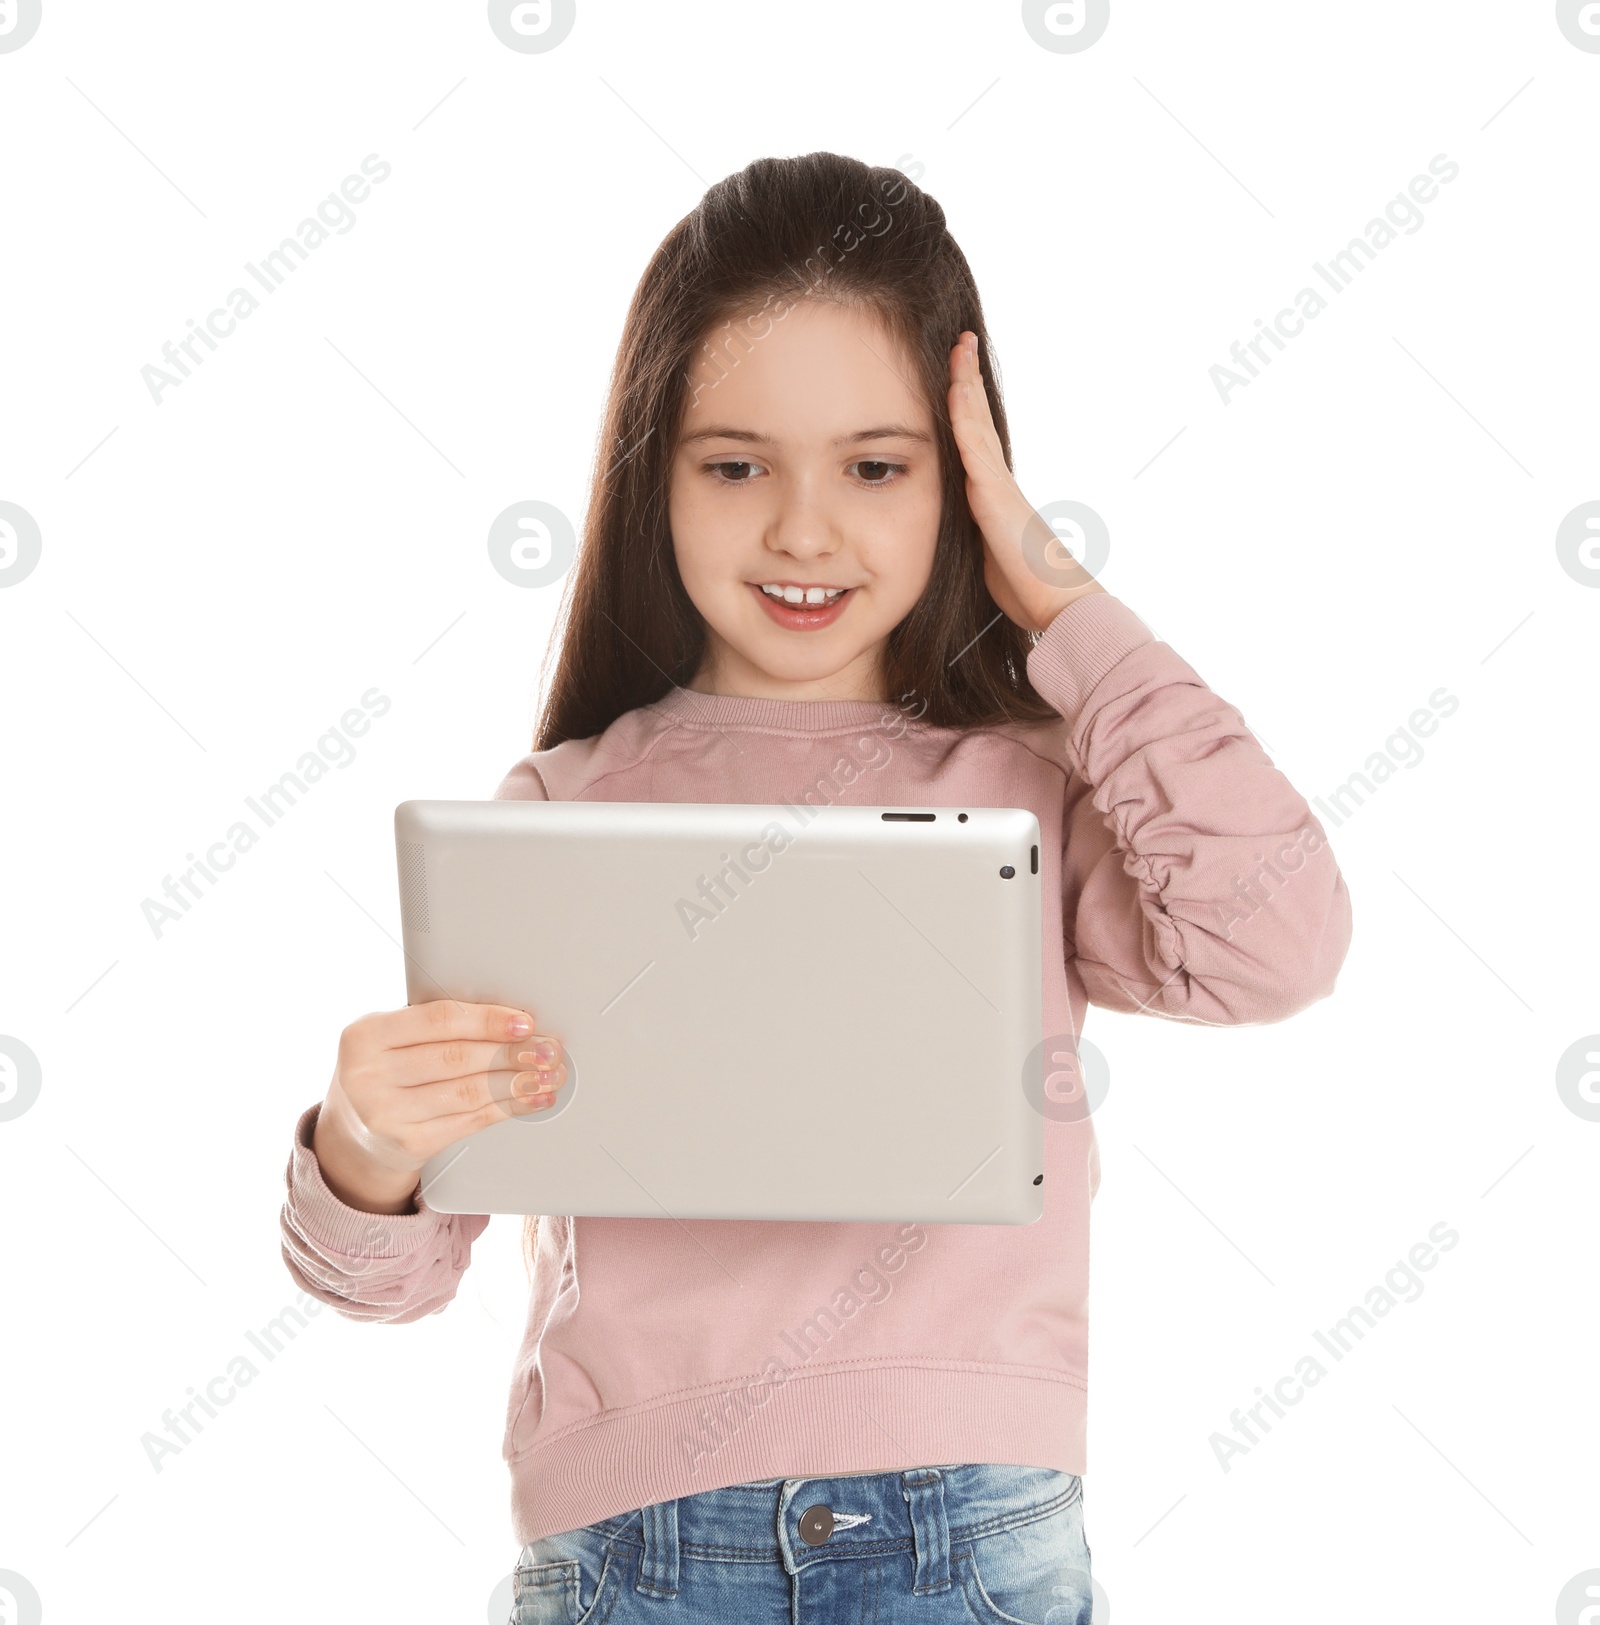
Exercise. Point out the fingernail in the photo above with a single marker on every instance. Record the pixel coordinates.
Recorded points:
(526, 1085)
(543, 1052)
(519, 1026)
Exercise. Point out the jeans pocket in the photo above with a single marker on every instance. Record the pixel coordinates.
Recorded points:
(545, 1593)
(566, 1580)
(1033, 1573)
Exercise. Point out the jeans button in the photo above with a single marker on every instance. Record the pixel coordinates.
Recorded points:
(816, 1524)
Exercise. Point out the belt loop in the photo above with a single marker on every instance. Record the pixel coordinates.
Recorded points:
(923, 1488)
(658, 1570)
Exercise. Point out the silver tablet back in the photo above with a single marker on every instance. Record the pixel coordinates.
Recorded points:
(768, 1012)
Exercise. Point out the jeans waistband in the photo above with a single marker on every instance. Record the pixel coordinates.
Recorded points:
(799, 1521)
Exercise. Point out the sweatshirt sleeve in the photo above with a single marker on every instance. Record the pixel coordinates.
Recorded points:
(379, 1266)
(1196, 882)
(369, 1266)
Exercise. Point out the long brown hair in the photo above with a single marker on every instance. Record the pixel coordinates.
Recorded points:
(780, 231)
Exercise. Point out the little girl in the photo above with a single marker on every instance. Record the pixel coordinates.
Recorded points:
(808, 574)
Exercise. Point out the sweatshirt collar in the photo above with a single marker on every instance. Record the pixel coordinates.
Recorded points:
(694, 709)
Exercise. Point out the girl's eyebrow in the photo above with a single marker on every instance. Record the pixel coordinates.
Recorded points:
(886, 431)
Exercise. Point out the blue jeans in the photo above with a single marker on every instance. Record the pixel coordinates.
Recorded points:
(1000, 1545)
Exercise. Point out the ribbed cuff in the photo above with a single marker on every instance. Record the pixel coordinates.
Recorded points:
(1082, 644)
(333, 1225)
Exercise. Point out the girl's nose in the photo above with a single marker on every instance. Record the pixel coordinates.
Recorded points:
(802, 530)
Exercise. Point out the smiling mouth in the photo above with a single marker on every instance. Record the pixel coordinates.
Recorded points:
(799, 593)
(802, 616)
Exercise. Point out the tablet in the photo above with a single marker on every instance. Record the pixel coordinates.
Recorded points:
(768, 1011)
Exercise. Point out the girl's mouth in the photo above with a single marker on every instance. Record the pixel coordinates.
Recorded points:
(802, 617)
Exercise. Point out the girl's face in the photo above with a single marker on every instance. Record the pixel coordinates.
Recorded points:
(806, 460)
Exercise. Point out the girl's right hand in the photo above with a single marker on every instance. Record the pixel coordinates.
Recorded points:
(410, 1082)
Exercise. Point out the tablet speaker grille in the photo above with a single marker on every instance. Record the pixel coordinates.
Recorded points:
(413, 886)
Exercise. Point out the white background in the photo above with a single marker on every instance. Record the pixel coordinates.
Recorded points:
(225, 573)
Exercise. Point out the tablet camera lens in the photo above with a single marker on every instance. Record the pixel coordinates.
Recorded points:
(1006, 871)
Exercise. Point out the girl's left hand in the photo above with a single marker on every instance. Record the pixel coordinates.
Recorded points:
(1032, 582)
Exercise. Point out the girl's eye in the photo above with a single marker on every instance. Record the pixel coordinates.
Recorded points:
(875, 472)
(893, 472)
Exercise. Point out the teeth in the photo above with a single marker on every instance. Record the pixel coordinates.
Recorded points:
(802, 595)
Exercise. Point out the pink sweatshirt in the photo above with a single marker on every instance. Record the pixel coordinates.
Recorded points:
(1183, 876)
